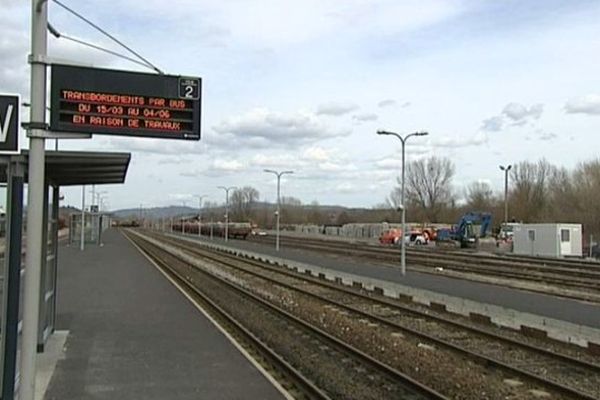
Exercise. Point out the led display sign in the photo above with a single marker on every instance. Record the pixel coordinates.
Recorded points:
(101, 101)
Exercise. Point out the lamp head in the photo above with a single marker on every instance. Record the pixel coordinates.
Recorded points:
(422, 133)
(384, 133)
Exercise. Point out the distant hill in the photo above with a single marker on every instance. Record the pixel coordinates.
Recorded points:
(154, 212)
(262, 213)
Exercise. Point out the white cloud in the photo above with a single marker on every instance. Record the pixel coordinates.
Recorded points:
(260, 128)
(459, 141)
(519, 114)
(589, 104)
(386, 103)
(336, 108)
(387, 163)
(153, 146)
(547, 136)
(227, 165)
(364, 117)
(329, 166)
(275, 160)
(14, 47)
(346, 187)
(513, 114)
(493, 124)
(276, 24)
(316, 153)
(216, 168)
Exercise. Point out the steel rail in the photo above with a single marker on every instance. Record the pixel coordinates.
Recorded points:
(480, 357)
(465, 264)
(408, 382)
(299, 381)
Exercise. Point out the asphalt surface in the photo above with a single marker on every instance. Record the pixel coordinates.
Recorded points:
(133, 335)
(540, 304)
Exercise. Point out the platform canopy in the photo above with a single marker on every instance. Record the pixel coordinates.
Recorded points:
(69, 168)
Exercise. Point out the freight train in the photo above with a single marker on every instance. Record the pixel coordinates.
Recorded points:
(235, 230)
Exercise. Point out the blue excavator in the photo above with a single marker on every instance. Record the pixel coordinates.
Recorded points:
(465, 232)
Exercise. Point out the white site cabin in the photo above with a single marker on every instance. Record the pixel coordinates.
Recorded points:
(550, 240)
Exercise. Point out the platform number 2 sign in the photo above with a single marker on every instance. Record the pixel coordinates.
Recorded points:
(9, 124)
(189, 88)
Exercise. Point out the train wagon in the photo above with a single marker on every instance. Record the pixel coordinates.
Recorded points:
(235, 230)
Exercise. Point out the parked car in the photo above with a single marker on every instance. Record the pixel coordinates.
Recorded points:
(415, 238)
(391, 236)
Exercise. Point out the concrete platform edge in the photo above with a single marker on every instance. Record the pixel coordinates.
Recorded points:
(231, 339)
(563, 331)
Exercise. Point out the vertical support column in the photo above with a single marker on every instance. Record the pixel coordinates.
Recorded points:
(54, 268)
(82, 236)
(43, 320)
(39, 22)
(12, 278)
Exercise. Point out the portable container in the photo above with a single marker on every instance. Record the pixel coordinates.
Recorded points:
(550, 240)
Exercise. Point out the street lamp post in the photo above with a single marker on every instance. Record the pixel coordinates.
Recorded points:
(278, 212)
(403, 206)
(199, 213)
(227, 189)
(182, 218)
(505, 169)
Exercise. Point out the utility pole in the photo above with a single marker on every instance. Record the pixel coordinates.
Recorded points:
(505, 169)
(402, 241)
(278, 212)
(182, 219)
(199, 214)
(226, 189)
(35, 198)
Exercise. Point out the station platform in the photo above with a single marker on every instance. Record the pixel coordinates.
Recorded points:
(131, 334)
(559, 308)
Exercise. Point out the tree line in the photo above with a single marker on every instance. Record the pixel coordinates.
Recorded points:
(538, 192)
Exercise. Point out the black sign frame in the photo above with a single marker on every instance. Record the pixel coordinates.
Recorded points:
(10, 103)
(105, 101)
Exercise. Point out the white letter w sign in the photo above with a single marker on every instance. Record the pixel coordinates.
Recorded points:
(9, 124)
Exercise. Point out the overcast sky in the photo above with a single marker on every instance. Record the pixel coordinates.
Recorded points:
(304, 85)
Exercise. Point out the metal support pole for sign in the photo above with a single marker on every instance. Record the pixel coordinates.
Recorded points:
(44, 292)
(55, 230)
(39, 22)
(82, 237)
(11, 284)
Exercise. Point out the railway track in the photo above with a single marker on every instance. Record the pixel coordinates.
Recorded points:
(562, 373)
(581, 282)
(310, 363)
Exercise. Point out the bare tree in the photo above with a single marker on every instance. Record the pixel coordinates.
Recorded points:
(529, 193)
(585, 187)
(479, 196)
(428, 187)
(242, 201)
